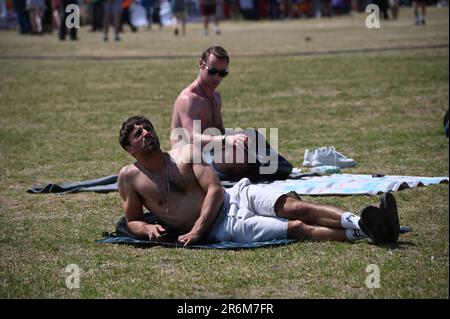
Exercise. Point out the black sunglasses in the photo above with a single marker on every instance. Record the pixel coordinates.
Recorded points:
(213, 71)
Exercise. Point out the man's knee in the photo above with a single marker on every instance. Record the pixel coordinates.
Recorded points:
(290, 204)
(299, 230)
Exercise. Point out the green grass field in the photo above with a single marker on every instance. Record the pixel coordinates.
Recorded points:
(61, 107)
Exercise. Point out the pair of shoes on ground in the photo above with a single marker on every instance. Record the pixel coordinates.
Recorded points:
(381, 224)
(116, 38)
(64, 39)
(217, 32)
(326, 156)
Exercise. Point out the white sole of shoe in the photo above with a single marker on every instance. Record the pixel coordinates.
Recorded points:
(341, 165)
(307, 164)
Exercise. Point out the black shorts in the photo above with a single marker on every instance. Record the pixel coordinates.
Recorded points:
(208, 10)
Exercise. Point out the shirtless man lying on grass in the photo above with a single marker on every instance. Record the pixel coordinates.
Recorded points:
(185, 194)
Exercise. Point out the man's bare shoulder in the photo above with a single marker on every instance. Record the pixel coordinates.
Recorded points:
(187, 99)
(128, 173)
(186, 154)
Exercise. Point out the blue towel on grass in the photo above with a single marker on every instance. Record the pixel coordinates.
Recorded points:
(122, 235)
(109, 184)
(220, 245)
(111, 239)
(303, 184)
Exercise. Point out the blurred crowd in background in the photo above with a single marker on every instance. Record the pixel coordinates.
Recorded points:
(37, 17)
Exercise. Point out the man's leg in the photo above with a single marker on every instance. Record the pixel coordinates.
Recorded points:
(310, 221)
(298, 221)
(107, 17)
(380, 224)
(300, 230)
(321, 215)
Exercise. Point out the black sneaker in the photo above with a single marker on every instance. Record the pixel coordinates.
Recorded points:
(373, 224)
(389, 207)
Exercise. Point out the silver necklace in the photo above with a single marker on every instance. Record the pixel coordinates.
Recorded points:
(168, 185)
(146, 172)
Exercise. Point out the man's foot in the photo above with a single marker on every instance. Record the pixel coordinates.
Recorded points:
(105, 38)
(117, 38)
(373, 223)
(176, 32)
(389, 208)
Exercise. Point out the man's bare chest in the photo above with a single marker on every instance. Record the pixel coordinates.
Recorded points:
(156, 188)
(207, 113)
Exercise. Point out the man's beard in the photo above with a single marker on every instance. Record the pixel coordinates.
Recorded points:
(151, 146)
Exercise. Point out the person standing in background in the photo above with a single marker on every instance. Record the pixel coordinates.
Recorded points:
(208, 8)
(420, 17)
(126, 16)
(62, 26)
(56, 7)
(112, 10)
(178, 8)
(36, 9)
(148, 6)
(20, 7)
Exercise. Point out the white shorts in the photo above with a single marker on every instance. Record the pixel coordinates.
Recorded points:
(248, 215)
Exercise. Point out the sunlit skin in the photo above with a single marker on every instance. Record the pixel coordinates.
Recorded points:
(195, 195)
(201, 101)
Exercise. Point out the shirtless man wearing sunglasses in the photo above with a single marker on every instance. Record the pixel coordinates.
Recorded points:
(198, 112)
(200, 101)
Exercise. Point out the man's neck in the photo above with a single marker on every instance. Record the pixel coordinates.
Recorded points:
(153, 162)
(204, 89)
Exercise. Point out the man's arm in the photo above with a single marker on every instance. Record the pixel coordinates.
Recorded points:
(214, 195)
(188, 111)
(132, 206)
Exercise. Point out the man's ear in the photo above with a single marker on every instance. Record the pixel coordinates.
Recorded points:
(200, 63)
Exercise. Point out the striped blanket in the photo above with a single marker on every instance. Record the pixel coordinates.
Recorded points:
(353, 184)
(303, 184)
(219, 245)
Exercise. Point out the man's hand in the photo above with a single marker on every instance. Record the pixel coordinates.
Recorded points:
(188, 239)
(155, 232)
(236, 139)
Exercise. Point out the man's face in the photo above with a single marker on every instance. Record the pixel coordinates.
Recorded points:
(143, 140)
(213, 70)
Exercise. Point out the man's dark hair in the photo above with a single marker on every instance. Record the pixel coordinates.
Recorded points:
(218, 52)
(128, 127)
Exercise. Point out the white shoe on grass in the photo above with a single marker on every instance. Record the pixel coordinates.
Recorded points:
(307, 159)
(329, 156)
